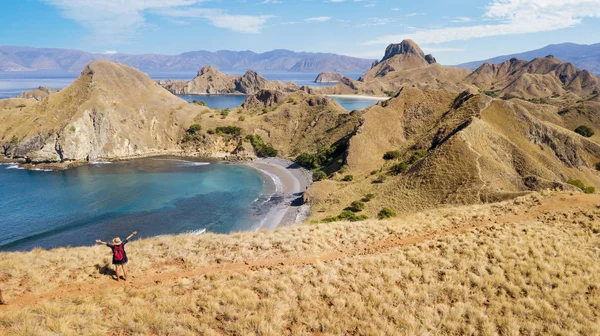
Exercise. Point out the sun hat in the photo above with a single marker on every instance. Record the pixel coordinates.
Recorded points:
(116, 241)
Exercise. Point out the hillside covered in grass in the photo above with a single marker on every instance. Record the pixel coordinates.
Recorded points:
(526, 266)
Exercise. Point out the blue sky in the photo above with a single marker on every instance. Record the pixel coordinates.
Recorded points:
(454, 31)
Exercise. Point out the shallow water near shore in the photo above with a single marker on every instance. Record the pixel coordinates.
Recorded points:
(153, 196)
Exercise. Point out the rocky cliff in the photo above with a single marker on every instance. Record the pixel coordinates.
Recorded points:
(38, 94)
(211, 81)
(328, 77)
(110, 111)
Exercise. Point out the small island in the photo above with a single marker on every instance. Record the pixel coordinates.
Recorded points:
(328, 77)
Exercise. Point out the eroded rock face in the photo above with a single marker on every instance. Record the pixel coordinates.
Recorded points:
(405, 47)
(110, 111)
(38, 94)
(328, 77)
(264, 98)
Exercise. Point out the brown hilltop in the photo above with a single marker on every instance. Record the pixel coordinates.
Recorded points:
(211, 81)
(479, 150)
(539, 78)
(110, 110)
(404, 64)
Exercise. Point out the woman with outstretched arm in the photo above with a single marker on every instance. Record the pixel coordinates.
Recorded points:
(119, 256)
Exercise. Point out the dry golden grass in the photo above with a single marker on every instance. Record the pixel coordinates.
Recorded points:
(528, 266)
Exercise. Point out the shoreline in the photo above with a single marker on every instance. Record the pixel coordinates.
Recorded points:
(285, 182)
(290, 181)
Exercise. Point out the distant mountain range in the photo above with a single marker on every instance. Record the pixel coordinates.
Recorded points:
(37, 59)
(583, 56)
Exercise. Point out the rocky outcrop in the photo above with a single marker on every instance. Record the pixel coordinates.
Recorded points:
(38, 94)
(328, 77)
(211, 81)
(110, 111)
(404, 48)
(264, 98)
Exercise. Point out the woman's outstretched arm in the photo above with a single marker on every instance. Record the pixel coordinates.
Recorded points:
(131, 235)
(98, 241)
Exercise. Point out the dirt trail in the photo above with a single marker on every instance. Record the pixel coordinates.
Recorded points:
(560, 202)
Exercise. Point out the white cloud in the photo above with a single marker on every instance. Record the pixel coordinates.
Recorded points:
(510, 17)
(318, 19)
(462, 19)
(110, 52)
(118, 20)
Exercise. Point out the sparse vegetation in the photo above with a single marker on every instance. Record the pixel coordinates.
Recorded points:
(392, 155)
(201, 103)
(584, 131)
(579, 184)
(230, 130)
(224, 113)
(346, 215)
(319, 175)
(320, 159)
(242, 118)
(194, 128)
(21, 106)
(598, 166)
(399, 168)
(356, 206)
(348, 178)
(261, 149)
(14, 140)
(386, 213)
(368, 197)
(380, 179)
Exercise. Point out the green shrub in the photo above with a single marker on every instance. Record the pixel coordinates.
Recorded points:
(194, 128)
(386, 213)
(576, 183)
(210, 131)
(310, 161)
(584, 131)
(21, 105)
(14, 140)
(348, 178)
(374, 172)
(589, 190)
(379, 179)
(225, 113)
(399, 168)
(346, 215)
(598, 166)
(231, 130)
(261, 149)
(368, 197)
(417, 155)
(356, 206)
(201, 103)
(319, 176)
(392, 155)
(242, 118)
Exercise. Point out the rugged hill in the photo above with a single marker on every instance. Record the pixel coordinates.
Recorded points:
(404, 64)
(211, 81)
(456, 149)
(110, 111)
(529, 266)
(582, 56)
(38, 94)
(35, 59)
(546, 77)
(114, 111)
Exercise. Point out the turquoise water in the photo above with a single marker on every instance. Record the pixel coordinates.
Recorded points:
(152, 196)
(222, 102)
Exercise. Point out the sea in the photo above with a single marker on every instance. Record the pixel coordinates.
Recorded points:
(154, 196)
(14, 83)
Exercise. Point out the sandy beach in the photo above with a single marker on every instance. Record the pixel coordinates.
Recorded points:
(286, 182)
